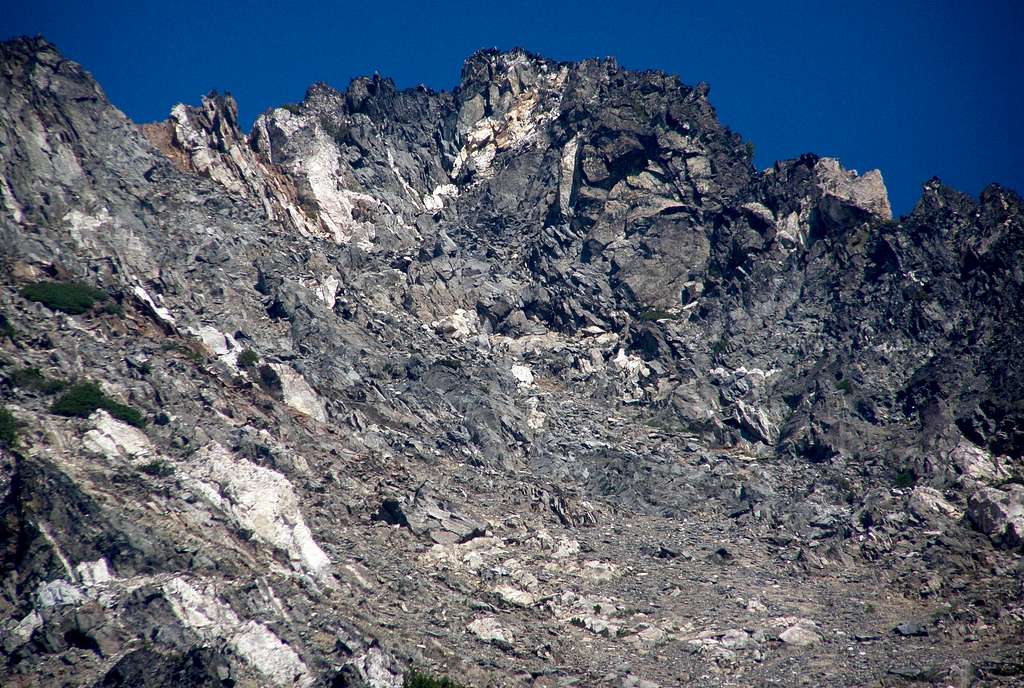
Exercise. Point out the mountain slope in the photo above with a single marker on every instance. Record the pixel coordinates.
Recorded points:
(542, 382)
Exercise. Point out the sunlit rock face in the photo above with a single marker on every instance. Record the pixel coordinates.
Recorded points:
(535, 382)
(207, 140)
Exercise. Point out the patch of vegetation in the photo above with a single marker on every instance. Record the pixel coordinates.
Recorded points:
(6, 328)
(8, 428)
(32, 378)
(248, 359)
(720, 346)
(844, 386)
(157, 469)
(917, 294)
(68, 297)
(905, 478)
(83, 398)
(654, 314)
(415, 679)
(113, 308)
(292, 108)
(749, 147)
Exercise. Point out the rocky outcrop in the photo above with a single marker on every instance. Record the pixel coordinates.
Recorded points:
(258, 500)
(999, 514)
(208, 141)
(535, 382)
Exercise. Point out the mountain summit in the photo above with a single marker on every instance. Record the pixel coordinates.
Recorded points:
(533, 383)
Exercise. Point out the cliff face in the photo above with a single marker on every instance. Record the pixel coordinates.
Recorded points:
(531, 382)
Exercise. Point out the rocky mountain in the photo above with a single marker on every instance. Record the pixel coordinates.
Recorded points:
(533, 383)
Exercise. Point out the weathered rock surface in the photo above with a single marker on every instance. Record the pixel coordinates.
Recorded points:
(999, 514)
(551, 387)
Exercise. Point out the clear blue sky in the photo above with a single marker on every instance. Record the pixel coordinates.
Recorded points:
(914, 88)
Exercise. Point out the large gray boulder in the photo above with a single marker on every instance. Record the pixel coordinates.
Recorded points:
(999, 513)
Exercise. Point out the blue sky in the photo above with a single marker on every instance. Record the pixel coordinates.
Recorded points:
(915, 89)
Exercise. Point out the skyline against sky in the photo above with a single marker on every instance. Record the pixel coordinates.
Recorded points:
(914, 89)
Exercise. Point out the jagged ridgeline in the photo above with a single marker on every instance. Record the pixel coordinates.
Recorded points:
(537, 382)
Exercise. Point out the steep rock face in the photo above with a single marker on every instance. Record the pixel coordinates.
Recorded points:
(582, 151)
(207, 140)
(494, 381)
(366, 162)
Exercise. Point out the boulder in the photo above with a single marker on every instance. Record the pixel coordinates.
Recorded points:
(999, 513)
(489, 630)
(801, 633)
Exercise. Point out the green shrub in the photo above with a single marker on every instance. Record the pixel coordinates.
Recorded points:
(113, 308)
(415, 679)
(6, 328)
(83, 398)
(157, 469)
(68, 297)
(8, 428)
(248, 359)
(32, 378)
(905, 478)
(844, 386)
